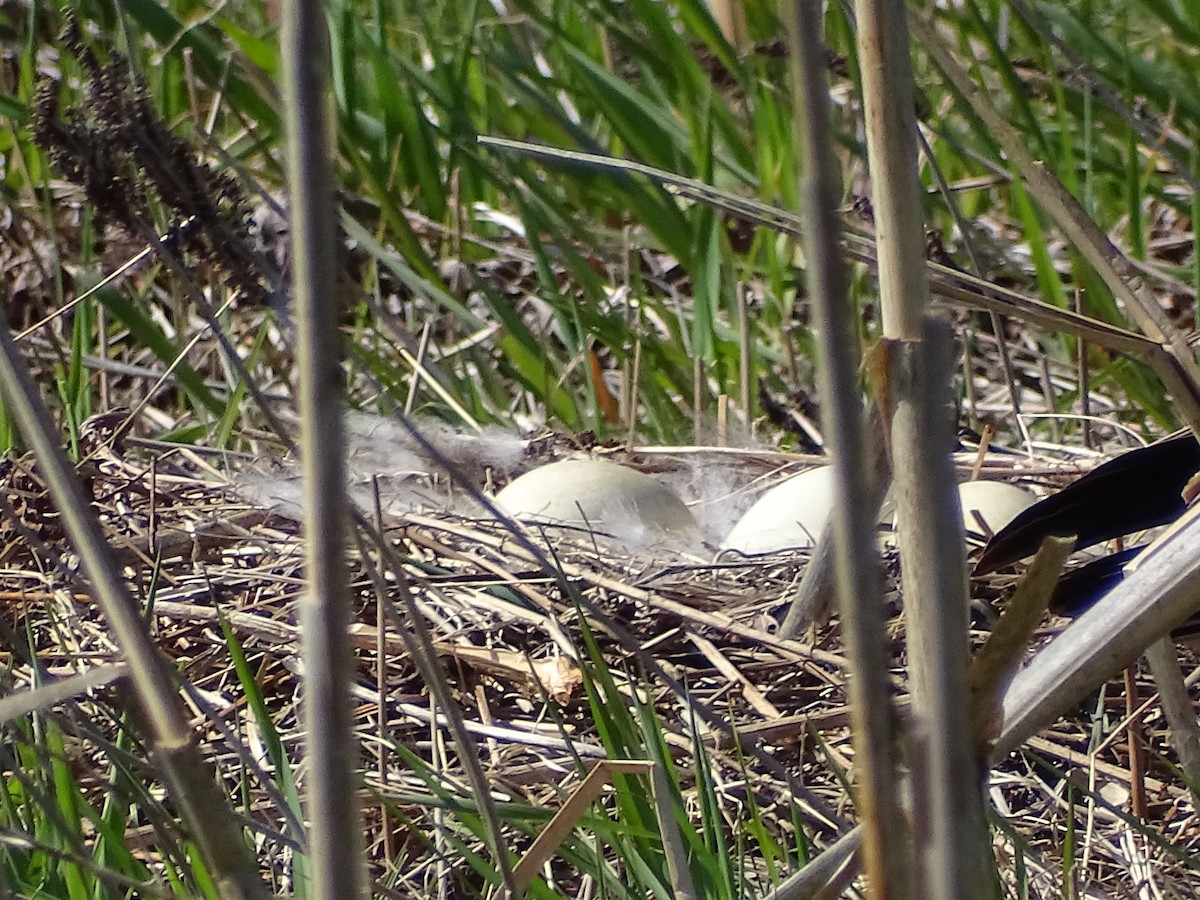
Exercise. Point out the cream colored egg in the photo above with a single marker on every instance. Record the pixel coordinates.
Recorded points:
(790, 515)
(793, 514)
(611, 498)
(996, 502)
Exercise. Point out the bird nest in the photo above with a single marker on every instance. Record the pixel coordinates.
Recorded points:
(535, 630)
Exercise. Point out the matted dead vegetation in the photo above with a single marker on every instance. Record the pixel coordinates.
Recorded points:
(690, 638)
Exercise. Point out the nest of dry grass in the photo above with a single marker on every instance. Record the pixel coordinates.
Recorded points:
(691, 638)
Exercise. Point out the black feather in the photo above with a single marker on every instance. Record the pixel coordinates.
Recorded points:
(1080, 588)
(1138, 490)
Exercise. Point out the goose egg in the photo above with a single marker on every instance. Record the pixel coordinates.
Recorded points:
(996, 502)
(790, 515)
(608, 497)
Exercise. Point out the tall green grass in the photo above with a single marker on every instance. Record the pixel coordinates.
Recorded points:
(415, 86)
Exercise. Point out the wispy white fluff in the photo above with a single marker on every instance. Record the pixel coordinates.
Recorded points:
(382, 454)
(378, 444)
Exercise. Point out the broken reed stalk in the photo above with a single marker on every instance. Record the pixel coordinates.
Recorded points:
(859, 576)
(954, 857)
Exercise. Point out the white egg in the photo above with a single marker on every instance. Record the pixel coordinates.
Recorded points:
(611, 498)
(996, 502)
(789, 515)
(792, 515)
